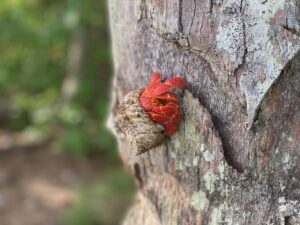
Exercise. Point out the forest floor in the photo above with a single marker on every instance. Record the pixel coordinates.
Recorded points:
(37, 187)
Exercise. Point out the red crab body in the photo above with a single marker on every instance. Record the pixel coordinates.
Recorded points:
(161, 105)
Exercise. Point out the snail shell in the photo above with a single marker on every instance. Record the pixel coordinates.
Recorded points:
(140, 131)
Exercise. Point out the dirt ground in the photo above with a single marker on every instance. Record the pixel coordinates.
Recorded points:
(37, 187)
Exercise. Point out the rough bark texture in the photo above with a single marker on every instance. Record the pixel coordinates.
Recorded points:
(235, 158)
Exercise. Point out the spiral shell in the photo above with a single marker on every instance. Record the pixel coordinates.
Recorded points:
(140, 131)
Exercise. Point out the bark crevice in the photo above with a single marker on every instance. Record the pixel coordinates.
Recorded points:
(193, 16)
(180, 25)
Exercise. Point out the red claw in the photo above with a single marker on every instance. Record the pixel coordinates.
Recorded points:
(161, 89)
(176, 82)
(155, 78)
(161, 105)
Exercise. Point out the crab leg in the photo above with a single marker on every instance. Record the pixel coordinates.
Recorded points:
(176, 82)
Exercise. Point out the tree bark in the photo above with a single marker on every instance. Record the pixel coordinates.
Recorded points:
(235, 157)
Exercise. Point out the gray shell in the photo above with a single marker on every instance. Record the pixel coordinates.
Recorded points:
(140, 131)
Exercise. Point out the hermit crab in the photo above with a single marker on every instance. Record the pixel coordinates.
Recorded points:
(149, 115)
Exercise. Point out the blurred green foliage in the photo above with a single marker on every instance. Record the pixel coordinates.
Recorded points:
(103, 203)
(35, 39)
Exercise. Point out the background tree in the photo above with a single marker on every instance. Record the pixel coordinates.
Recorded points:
(235, 158)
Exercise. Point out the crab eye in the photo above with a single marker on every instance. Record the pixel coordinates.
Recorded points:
(158, 102)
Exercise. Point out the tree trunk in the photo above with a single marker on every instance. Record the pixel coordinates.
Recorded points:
(235, 157)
